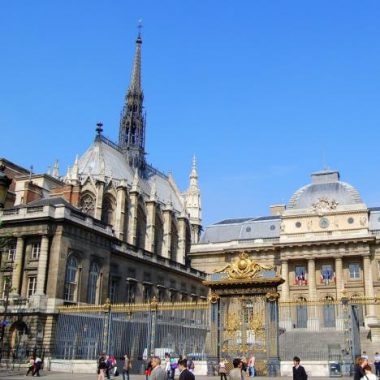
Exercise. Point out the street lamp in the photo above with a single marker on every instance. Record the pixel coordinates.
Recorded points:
(5, 182)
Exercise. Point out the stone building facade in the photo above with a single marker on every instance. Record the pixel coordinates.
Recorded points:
(324, 243)
(112, 227)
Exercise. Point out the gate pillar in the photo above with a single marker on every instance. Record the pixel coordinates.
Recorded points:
(272, 323)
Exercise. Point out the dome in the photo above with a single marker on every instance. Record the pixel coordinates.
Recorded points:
(325, 185)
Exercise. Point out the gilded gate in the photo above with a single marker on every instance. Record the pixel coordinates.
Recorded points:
(244, 301)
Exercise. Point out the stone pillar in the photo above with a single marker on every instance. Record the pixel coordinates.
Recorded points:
(42, 266)
(313, 320)
(17, 267)
(286, 321)
(339, 280)
(181, 253)
(369, 292)
(121, 203)
(99, 199)
(285, 275)
(166, 244)
(150, 226)
(132, 217)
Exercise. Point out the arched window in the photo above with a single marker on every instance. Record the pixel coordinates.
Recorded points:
(108, 210)
(70, 288)
(301, 313)
(93, 279)
(87, 204)
(329, 312)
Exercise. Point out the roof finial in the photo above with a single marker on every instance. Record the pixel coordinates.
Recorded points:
(139, 27)
(99, 128)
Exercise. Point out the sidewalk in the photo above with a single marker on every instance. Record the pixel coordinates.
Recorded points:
(17, 375)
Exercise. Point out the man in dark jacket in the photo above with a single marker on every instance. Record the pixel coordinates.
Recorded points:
(299, 372)
(184, 373)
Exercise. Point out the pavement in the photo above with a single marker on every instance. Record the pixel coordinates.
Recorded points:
(17, 374)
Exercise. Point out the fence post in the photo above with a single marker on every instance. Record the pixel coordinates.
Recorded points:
(272, 327)
(107, 326)
(153, 326)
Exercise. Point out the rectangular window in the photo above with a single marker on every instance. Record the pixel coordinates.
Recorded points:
(354, 269)
(327, 274)
(300, 275)
(114, 290)
(32, 285)
(147, 293)
(10, 251)
(7, 285)
(161, 294)
(131, 291)
(36, 248)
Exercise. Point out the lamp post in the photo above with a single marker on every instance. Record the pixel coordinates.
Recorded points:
(5, 182)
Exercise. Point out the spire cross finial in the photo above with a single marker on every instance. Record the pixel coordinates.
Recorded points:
(139, 27)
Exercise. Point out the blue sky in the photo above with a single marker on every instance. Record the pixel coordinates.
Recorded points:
(263, 92)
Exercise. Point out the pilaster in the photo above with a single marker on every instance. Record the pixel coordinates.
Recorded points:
(181, 253)
(150, 226)
(17, 267)
(132, 220)
(167, 215)
(370, 316)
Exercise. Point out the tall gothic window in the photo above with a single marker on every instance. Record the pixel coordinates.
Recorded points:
(174, 243)
(141, 228)
(70, 287)
(87, 204)
(108, 210)
(93, 278)
(158, 236)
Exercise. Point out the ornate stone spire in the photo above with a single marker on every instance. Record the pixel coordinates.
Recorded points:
(55, 172)
(132, 123)
(194, 175)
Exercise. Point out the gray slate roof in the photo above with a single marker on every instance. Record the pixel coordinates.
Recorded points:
(242, 229)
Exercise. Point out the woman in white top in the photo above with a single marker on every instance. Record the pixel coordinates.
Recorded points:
(368, 373)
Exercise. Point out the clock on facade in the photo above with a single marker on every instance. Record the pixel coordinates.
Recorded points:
(324, 222)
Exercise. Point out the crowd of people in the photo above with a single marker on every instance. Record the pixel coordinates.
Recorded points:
(242, 368)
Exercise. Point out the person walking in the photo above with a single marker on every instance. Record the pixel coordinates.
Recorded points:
(126, 366)
(148, 369)
(30, 366)
(299, 372)
(368, 373)
(235, 373)
(102, 367)
(377, 364)
(251, 366)
(184, 372)
(37, 366)
(158, 373)
(222, 369)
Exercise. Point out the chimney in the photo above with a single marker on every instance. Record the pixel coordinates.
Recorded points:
(277, 209)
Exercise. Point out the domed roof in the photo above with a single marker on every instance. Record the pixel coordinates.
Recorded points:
(325, 184)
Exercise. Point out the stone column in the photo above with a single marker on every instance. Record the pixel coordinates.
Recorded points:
(121, 203)
(368, 290)
(17, 267)
(313, 320)
(339, 280)
(285, 275)
(286, 321)
(42, 265)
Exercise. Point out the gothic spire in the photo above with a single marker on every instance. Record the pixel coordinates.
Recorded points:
(194, 175)
(132, 123)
